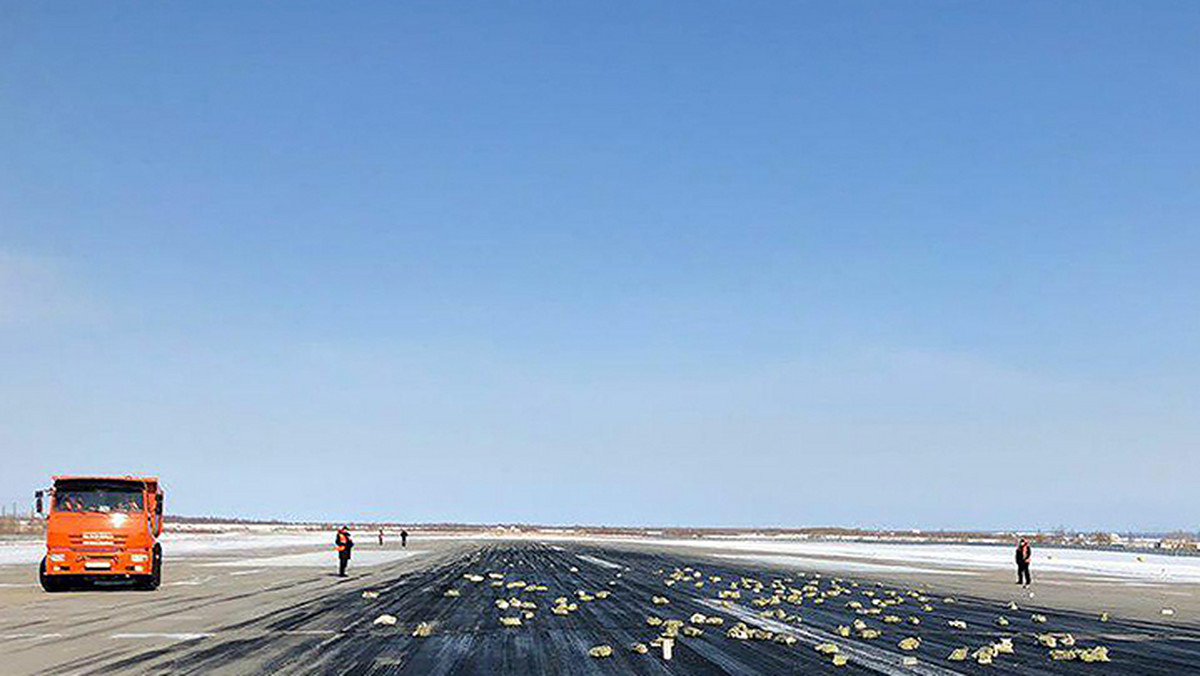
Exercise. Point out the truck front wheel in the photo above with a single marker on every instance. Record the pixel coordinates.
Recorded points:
(151, 581)
(49, 582)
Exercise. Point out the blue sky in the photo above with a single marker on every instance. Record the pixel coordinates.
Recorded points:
(858, 263)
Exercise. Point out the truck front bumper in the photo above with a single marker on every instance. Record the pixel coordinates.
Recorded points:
(99, 563)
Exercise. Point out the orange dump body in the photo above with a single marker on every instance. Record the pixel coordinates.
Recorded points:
(103, 526)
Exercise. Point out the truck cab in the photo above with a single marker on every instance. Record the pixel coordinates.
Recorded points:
(102, 528)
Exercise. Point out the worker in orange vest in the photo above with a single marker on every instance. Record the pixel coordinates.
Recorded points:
(344, 544)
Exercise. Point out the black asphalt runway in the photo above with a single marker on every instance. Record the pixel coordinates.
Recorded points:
(324, 625)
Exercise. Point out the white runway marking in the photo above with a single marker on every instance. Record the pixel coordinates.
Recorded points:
(174, 637)
(1143, 638)
(868, 656)
(13, 637)
(599, 562)
(190, 582)
(331, 639)
(247, 572)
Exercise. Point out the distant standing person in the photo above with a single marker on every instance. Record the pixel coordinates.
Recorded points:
(380, 537)
(344, 544)
(403, 538)
(1023, 556)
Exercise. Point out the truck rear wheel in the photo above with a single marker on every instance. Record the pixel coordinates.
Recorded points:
(49, 582)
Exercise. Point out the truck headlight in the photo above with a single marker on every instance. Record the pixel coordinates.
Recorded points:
(137, 558)
(58, 558)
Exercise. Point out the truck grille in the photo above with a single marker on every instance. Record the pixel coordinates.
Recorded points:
(98, 541)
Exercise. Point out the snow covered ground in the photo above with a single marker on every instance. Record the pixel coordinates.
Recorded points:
(840, 566)
(179, 545)
(21, 551)
(1130, 566)
(189, 545)
(318, 559)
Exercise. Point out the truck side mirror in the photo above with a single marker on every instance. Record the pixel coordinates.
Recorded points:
(38, 497)
(158, 505)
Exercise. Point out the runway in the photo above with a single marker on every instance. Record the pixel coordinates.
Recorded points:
(257, 613)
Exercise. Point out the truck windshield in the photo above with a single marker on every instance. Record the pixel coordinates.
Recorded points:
(103, 498)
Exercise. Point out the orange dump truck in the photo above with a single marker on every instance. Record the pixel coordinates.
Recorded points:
(102, 528)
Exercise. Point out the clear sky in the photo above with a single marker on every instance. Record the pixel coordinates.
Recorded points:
(908, 264)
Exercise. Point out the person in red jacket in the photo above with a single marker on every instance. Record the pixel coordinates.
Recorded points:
(1023, 556)
(344, 544)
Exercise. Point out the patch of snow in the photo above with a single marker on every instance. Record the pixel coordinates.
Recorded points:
(322, 559)
(21, 552)
(1122, 565)
(188, 545)
(838, 565)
